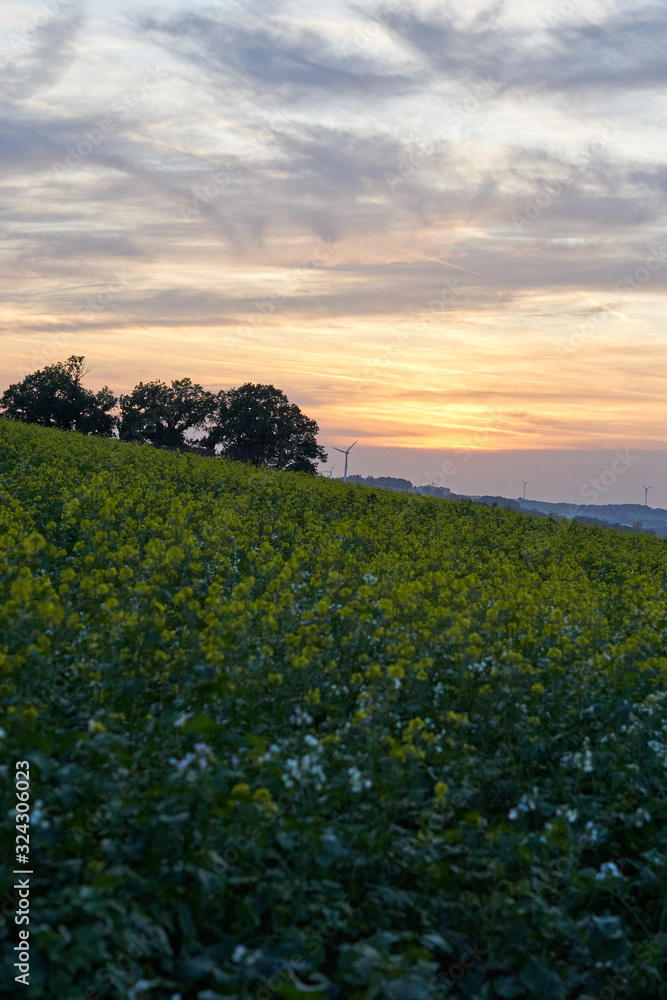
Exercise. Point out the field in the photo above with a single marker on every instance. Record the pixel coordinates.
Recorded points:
(289, 737)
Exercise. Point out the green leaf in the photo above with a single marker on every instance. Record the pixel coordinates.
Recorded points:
(541, 982)
(201, 724)
(508, 987)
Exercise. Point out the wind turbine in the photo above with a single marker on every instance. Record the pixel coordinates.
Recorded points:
(646, 489)
(525, 483)
(346, 452)
(331, 470)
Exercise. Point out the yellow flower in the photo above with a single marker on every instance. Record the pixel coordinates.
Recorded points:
(263, 798)
(458, 718)
(395, 671)
(34, 542)
(440, 790)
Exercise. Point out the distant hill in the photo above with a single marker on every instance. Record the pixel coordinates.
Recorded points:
(622, 517)
(626, 516)
(386, 482)
(434, 491)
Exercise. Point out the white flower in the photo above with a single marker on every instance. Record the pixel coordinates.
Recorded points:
(182, 719)
(185, 762)
(2, 733)
(357, 783)
(141, 986)
(37, 814)
(659, 748)
(513, 814)
(299, 717)
(369, 578)
(571, 815)
(201, 755)
(242, 954)
(273, 749)
(582, 761)
(594, 834)
(301, 768)
(608, 870)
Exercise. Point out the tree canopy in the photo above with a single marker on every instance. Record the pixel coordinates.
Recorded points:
(160, 414)
(55, 397)
(258, 424)
(251, 423)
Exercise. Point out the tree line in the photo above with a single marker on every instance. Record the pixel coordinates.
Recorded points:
(251, 423)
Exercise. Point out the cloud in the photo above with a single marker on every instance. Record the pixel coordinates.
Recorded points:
(624, 51)
(290, 158)
(42, 50)
(23, 145)
(273, 57)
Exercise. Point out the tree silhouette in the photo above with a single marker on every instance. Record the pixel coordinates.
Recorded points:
(160, 414)
(258, 424)
(55, 397)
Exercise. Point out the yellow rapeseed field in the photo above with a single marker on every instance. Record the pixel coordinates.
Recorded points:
(289, 736)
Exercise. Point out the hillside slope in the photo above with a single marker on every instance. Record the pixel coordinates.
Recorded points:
(288, 733)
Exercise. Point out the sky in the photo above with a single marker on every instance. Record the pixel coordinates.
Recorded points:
(438, 227)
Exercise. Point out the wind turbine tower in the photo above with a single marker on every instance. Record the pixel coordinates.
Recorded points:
(346, 452)
(525, 483)
(646, 489)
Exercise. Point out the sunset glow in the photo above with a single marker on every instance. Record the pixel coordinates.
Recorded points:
(431, 231)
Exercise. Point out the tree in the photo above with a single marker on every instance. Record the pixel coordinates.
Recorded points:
(55, 397)
(160, 414)
(258, 424)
